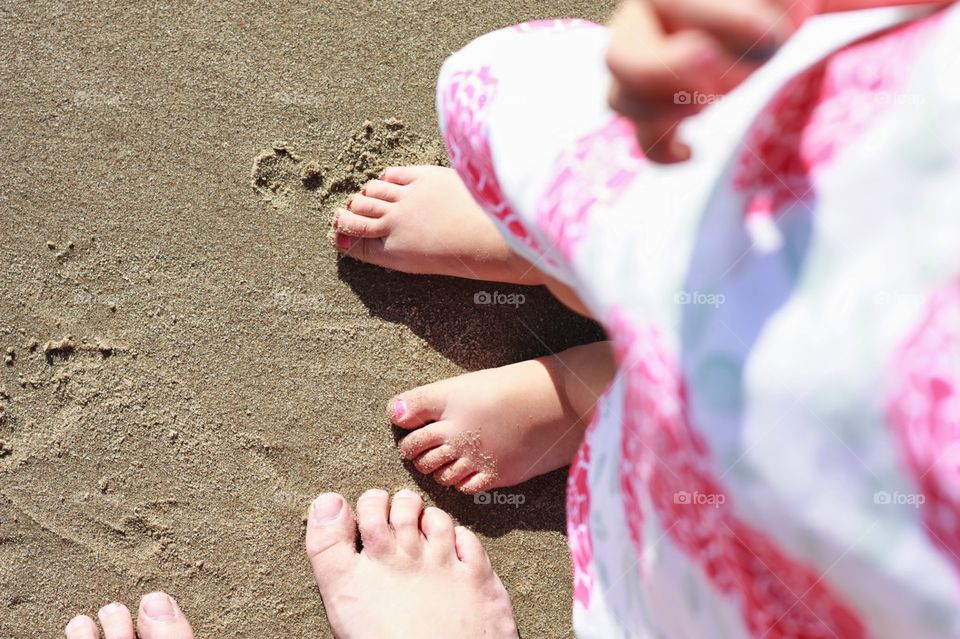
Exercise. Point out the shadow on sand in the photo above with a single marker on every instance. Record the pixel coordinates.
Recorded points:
(479, 325)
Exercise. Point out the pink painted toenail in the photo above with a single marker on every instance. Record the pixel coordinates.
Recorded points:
(158, 607)
(399, 409)
(343, 241)
(325, 509)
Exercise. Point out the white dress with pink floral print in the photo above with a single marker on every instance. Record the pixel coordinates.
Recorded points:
(779, 455)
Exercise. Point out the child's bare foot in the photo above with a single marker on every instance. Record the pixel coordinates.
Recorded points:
(417, 575)
(422, 219)
(503, 426)
(159, 617)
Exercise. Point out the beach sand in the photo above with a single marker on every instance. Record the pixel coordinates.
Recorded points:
(186, 361)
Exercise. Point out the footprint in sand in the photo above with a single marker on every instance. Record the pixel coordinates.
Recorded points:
(281, 173)
(277, 171)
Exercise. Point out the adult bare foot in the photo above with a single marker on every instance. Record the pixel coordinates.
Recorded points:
(417, 575)
(422, 219)
(502, 426)
(159, 617)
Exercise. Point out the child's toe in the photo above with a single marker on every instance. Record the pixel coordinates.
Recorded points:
(349, 223)
(400, 175)
(476, 483)
(437, 458)
(382, 190)
(421, 440)
(369, 206)
(417, 407)
(454, 473)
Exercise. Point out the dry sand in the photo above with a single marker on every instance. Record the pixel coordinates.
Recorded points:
(189, 363)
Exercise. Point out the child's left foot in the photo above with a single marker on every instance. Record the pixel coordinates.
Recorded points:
(500, 427)
(422, 219)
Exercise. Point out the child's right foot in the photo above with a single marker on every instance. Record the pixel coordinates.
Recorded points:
(500, 427)
(422, 219)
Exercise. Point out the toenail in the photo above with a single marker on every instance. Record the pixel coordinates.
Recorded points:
(343, 241)
(76, 622)
(407, 494)
(111, 609)
(159, 607)
(325, 509)
(399, 409)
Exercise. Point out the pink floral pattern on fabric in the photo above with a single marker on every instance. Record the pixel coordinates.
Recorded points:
(925, 414)
(631, 458)
(822, 111)
(668, 460)
(578, 523)
(595, 170)
(559, 25)
(465, 102)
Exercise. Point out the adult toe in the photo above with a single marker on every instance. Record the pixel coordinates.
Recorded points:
(373, 509)
(82, 627)
(405, 512)
(437, 527)
(116, 621)
(469, 549)
(331, 538)
(160, 617)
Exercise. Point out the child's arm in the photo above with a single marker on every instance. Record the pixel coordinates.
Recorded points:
(663, 51)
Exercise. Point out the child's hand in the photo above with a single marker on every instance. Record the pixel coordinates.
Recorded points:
(671, 58)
